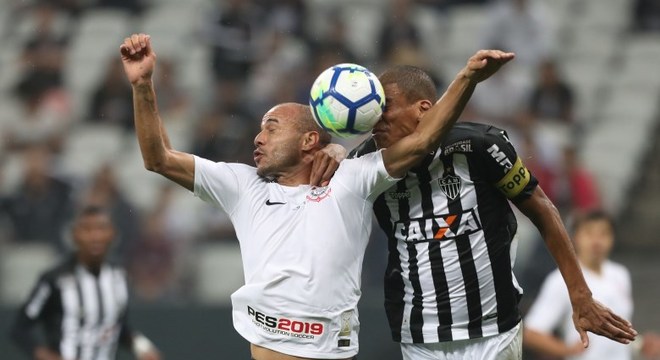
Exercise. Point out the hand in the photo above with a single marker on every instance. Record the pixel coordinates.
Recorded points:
(138, 58)
(651, 346)
(149, 355)
(590, 315)
(44, 353)
(485, 63)
(325, 163)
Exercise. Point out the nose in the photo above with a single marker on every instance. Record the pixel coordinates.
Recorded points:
(259, 139)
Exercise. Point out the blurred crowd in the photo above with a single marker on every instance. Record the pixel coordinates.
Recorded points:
(261, 52)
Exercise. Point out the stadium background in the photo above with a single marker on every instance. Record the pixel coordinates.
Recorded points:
(67, 139)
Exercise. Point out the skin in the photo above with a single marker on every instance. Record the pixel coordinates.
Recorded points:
(283, 151)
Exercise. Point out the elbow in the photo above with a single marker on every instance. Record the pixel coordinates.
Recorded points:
(422, 144)
(155, 166)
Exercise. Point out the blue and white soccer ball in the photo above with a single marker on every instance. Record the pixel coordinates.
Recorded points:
(347, 100)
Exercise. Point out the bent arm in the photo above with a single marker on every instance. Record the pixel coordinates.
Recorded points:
(438, 120)
(407, 152)
(157, 154)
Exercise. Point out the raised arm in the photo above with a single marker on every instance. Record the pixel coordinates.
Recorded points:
(139, 61)
(588, 314)
(404, 154)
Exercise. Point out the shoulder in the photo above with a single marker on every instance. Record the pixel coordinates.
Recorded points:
(63, 268)
(555, 280)
(616, 269)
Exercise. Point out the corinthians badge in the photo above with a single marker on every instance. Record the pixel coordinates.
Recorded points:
(450, 185)
(319, 193)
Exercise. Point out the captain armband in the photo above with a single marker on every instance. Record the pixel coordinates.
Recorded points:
(514, 182)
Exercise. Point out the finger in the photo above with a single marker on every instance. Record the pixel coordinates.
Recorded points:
(147, 43)
(329, 171)
(584, 338)
(124, 50)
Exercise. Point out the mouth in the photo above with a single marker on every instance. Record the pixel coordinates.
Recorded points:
(257, 155)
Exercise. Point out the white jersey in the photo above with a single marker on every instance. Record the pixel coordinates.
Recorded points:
(552, 309)
(302, 249)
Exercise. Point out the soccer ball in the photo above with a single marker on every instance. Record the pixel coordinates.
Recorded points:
(347, 100)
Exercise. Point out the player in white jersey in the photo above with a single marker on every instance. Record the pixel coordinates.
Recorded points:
(593, 234)
(302, 246)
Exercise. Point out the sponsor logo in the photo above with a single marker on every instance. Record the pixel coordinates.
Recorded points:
(319, 193)
(399, 195)
(463, 146)
(285, 326)
(343, 342)
(270, 203)
(450, 185)
(515, 180)
(438, 228)
(500, 157)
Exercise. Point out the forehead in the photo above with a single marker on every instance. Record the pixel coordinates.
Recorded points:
(393, 93)
(280, 114)
(94, 219)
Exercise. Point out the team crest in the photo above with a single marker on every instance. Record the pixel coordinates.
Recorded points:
(319, 193)
(450, 185)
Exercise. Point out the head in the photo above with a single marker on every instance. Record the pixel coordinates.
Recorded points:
(409, 93)
(593, 233)
(288, 139)
(93, 233)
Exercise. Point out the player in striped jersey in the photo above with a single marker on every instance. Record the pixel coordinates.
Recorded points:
(81, 304)
(449, 286)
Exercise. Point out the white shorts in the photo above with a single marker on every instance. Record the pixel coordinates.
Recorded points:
(505, 346)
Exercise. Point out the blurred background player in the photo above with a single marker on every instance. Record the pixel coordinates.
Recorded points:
(593, 234)
(80, 305)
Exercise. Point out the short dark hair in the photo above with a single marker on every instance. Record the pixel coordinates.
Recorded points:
(92, 210)
(589, 216)
(415, 83)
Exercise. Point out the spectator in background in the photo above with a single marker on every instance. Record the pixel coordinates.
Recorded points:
(521, 26)
(112, 102)
(231, 33)
(399, 31)
(575, 189)
(40, 207)
(42, 117)
(105, 192)
(647, 15)
(157, 262)
(552, 98)
(593, 234)
(221, 136)
(172, 100)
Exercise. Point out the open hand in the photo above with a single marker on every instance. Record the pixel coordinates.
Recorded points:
(485, 63)
(590, 315)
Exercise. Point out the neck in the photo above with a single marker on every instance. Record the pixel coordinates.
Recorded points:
(93, 265)
(298, 174)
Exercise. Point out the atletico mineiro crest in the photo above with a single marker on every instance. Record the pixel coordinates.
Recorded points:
(450, 185)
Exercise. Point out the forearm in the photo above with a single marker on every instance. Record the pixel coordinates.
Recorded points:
(544, 343)
(149, 129)
(445, 112)
(548, 221)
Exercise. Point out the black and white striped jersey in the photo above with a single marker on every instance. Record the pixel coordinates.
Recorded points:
(82, 315)
(450, 230)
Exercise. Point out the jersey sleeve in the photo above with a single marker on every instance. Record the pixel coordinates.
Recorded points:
(30, 314)
(366, 147)
(503, 168)
(365, 176)
(219, 183)
(551, 306)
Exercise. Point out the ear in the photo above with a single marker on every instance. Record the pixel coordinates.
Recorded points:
(310, 140)
(424, 106)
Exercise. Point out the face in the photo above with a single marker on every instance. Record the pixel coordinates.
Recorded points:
(278, 143)
(399, 119)
(93, 235)
(593, 241)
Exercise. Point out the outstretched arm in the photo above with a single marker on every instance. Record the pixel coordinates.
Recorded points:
(139, 61)
(400, 157)
(588, 314)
